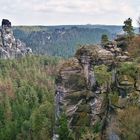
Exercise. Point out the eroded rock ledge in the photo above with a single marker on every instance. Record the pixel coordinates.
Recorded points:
(84, 86)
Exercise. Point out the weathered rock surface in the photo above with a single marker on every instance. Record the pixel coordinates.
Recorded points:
(9, 46)
(84, 84)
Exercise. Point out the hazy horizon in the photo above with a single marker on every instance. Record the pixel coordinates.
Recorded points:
(69, 12)
(68, 25)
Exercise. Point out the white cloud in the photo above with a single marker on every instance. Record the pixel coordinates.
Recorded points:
(69, 11)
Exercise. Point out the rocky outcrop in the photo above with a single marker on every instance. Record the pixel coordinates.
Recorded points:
(9, 46)
(6, 22)
(85, 88)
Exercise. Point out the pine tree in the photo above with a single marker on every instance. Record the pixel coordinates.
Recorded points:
(63, 131)
(128, 28)
(104, 39)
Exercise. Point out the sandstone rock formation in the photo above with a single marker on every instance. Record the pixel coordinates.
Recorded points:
(9, 46)
(84, 85)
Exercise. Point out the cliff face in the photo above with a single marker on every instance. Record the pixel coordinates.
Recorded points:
(9, 46)
(93, 86)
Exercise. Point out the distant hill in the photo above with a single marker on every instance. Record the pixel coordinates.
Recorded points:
(62, 40)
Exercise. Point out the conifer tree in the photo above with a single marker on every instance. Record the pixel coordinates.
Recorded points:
(104, 39)
(128, 28)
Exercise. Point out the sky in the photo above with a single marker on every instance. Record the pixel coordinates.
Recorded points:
(69, 12)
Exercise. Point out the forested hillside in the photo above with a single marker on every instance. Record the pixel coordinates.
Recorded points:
(94, 95)
(27, 98)
(62, 40)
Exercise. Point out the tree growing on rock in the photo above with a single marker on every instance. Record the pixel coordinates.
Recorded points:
(128, 28)
(104, 39)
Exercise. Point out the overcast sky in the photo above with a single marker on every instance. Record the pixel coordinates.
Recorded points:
(60, 12)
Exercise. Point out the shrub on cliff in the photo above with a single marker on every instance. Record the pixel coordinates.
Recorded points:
(104, 39)
(102, 75)
(134, 47)
(128, 69)
(128, 28)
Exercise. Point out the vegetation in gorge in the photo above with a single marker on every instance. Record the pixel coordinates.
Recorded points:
(103, 76)
(27, 98)
(63, 130)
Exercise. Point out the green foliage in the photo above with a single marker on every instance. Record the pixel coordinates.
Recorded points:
(63, 130)
(42, 120)
(114, 98)
(128, 69)
(128, 28)
(104, 39)
(27, 98)
(102, 75)
(89, 135)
